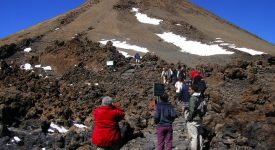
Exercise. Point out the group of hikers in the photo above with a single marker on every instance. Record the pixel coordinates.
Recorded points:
(108, 135)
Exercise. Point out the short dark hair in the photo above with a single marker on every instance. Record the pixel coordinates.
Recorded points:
(164, 97)
(195, 87)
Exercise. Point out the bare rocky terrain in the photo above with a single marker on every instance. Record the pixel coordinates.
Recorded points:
(241, 87)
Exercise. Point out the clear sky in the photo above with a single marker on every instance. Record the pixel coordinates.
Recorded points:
(255, 16)
(17, 15)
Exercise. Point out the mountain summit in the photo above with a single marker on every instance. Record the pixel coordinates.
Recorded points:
(176, 30)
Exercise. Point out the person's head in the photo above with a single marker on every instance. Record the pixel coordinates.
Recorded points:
(164, 97)
(193, 88)
(197, 79)
(107, 101)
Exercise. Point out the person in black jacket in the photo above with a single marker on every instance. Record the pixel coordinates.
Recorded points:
(164, 117)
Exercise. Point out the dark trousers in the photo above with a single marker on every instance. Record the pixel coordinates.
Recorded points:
(165, 137)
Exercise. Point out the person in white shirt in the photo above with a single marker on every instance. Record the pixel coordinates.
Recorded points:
(164, 75)
(178, 86)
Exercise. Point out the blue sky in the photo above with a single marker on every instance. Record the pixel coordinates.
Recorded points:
(17, 15)
(255, 16)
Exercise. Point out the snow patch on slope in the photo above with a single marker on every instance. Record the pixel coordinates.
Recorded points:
(125, 45)
(193, 47)
(143, 18)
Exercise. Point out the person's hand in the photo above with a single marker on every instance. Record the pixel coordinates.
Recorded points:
(126, 117)
(117, 105)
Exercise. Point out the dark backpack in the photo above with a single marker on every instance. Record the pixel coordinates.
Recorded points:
(201, 106)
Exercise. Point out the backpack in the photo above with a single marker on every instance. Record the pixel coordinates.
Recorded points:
(201, 106)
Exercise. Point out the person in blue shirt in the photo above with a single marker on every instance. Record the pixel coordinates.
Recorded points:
(137, 58)
(164, 117)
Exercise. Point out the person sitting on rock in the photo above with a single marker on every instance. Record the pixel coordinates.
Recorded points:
(106, 134)
(164, 117)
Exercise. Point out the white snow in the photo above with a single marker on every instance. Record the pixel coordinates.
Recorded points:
(224, 44)
(80, 125)
(178, 24)
(125, 54)
(26, 66)
(96, 84)
(143, 18)
(134, 9)
(16, 138)
(246, 50)
(59, 129)
(51, 130)
(193, 47)
(249, 51)
(27, 49)
(37, 66)
(47, 68)
(125, 45)
(219, 41)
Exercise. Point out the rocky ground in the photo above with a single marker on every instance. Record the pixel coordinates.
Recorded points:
(240, 96)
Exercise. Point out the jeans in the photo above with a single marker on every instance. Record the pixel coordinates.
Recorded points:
(164, 137)
(194, 129)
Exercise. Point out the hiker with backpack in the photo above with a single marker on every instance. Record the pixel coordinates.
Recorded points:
(197, 109)
(164, 117)
(198, 80)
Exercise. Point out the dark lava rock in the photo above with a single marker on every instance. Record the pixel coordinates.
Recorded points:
(4, 131)
(8, 50)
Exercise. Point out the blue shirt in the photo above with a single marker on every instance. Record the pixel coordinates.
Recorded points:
(165, 114)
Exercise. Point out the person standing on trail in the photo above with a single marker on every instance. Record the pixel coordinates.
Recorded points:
(178, 86)
(185, 96)
(180, 73)
(106, 134)
(201, 84)
(137, 58)
(164, 75)
(194, 120)
(164, 117)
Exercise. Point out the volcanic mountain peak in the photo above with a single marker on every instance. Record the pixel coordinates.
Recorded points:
(181, 32)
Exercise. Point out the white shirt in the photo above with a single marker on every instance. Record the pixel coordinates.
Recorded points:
(178, 86)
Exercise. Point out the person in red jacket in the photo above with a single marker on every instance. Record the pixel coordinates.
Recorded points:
(106, 134)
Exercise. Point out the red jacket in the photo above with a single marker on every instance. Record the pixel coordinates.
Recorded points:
(106, 129)
(195, 73)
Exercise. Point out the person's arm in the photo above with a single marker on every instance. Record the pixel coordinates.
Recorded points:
(192, 106)
(157, 115)
(173, 114)
(119, 113)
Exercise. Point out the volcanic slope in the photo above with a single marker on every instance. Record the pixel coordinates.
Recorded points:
(119, 21)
